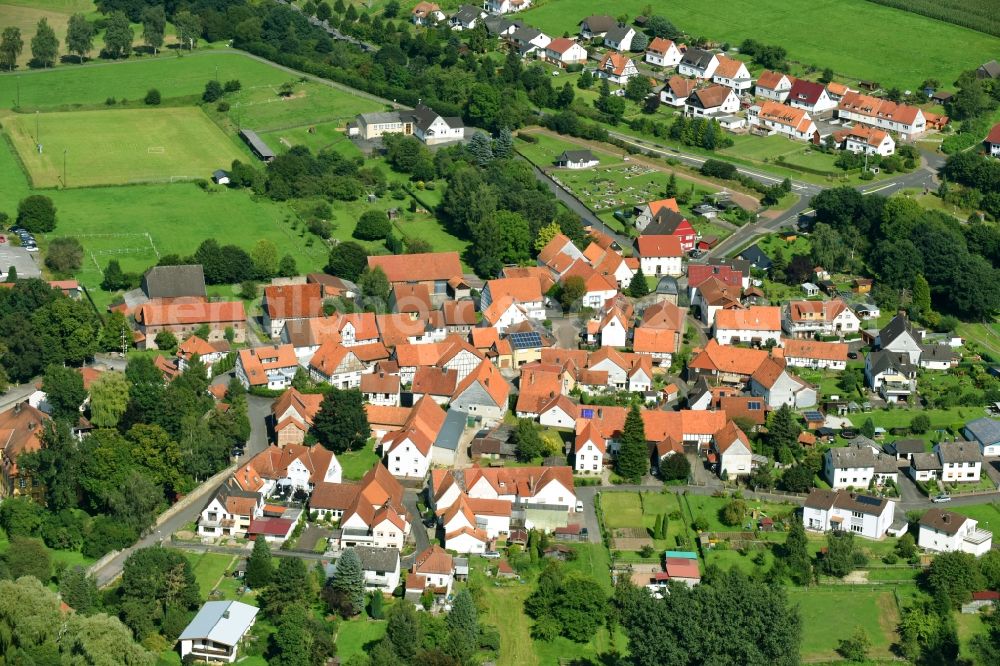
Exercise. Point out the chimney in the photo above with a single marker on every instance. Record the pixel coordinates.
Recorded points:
(225, 614)
(31, 426)
(945, 518)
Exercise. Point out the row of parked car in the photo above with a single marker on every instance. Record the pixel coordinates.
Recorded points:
(27, 240)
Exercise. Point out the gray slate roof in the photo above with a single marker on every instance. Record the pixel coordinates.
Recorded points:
(575, 156)
(948, 522)
(466, 14)
(451, 431)
(985, 430)
(599, 23)
(756, 256)
(377, 559)
(886, 360)
(664, 223)
(617, 33)
(905, 447)
(960, 451)
(667, 285)
(698, 58)
(852, 456)
(827, 499)
(174, 281)
(936, 353)
(525, 34)
(896, 327)
(925, 462)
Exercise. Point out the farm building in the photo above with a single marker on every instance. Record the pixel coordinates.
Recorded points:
(257, 145)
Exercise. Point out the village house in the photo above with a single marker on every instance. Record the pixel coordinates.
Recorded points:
(290, 302)
(698, 64)
(907, 121)
(407, 451)
(292, 415)
(992, 140)
(779, 387)
(816, 355)
(663, 52)
(433, 569)
(215, 633)
(732, 450)
(576, 159)
(984, 431)
(647, 212)
(865, 140)
(21, 428)
(589, 448)
(466, 18)
(660, 255)
(427, 13)
(238, 501)
(616, 68)
(529, 40)
(776, 117)
(506, 6)
(732, 73)
(891, 375)
(564, 51)
(184, 316)
(598, 288)
(807, 319)
(619, 37)
(756, 325)
(961, 461)
(594, 27)
(676, 90)
(855, 466)
(525, 292)
(558, 255)
(711, 101)
(725, 364)
(184, 281)
(731, 272)
(208, 353)
(433, 269)
(810, 96)
(773, 86)
(341, 366)
(380, 566)
(667, 221)
(361, 500)
(271, 367)
(379, 388)
(864, 515)
(483, 394)
(949, 532)
(459, 316)
(712, 297)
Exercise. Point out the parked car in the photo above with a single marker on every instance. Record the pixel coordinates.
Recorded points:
(491, 555)
(852, 355)
(940, 499)
(579, 506)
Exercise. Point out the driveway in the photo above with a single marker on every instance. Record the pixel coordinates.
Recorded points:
(419, 532)
(567, 332)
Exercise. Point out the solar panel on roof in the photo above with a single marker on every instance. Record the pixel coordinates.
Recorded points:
(587, 413)
(813, 416)
(526, 340)
(865, 499)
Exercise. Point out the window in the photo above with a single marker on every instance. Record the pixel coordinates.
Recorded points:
(856, 528)
(856, 514)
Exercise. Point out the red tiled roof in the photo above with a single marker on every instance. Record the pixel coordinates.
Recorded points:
(294, 301)
(426, 267)
(187, 312)
(659, 246)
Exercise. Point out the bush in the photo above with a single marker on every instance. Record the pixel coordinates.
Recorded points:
(321, 228)
(166, 341)
(152, 97)
(65, 255)
(213, 91)
(222, 107)
(233, 85)
(373, 225)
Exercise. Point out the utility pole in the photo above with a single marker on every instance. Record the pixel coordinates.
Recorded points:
(124, 348)
(17, 80)
(64, 168)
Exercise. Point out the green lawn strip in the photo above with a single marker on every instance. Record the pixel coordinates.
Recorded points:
(544, 151)
(969, 625)
(831, 614)
(357, 463)
(941, 419)
(177, 75)
(986, 336)
(317, 137)
(945, 50)
(592, 559)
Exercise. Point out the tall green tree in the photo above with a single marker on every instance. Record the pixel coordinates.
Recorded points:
(348, 580)
(292, 643)
(528, 443)
(56, 465)
(403, 632)
(503, 144)
(795, 553)
(638, 288)
(632, 462)
(569, 604)
(64, 391)
(291, 585)
(375, 289)
(45, 44)
(260, 569)
(783, 432)
(955, 576)
(154, 27)
(118, 35)
(11, 45)
(921, 296)
(463, 628)
(341, 423)
(79, 590)
(842, 555)
(80, 36)
(108, 399)
(188, 28)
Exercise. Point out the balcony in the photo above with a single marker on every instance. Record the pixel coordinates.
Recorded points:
(977, 537)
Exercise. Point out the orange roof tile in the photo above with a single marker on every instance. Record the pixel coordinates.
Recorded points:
(659, 246)
(813, 349)
(188, 312)
(754, 318)
(487, 376)
(724, 358)
(294, 301)
(426, 267)
(654, 340)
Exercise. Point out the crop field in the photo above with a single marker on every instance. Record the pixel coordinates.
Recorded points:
(180, 75)
(120, 147)
(975, 14)
(916, 48)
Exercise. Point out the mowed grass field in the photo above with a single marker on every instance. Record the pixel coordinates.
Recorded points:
(120, 146)
(900, 48)
(831, 614)
(177, 75)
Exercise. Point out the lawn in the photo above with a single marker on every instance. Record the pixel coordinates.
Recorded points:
(120, 147)
(594, 560)
(941, 419)
(984, 514)
(263, 108)
(709, 507)
(353, 637)
(831, 614)
(769, 244)
(544, 152)
(316, 137)
(179, 76)
(986, 336)
(915, 49)
(357, 463)
(26, 18)
(209, 569)
(174, 219)
(70, 558)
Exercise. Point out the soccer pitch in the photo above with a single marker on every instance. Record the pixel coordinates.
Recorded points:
(118, 147)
